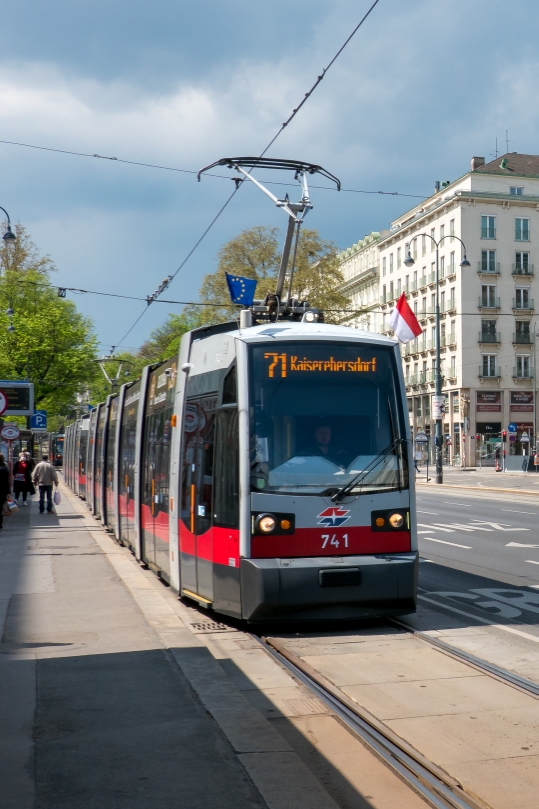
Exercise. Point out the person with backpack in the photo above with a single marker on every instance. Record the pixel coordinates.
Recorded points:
(45, 476)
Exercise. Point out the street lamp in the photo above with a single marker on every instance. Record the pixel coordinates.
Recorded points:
(409, 262)
(9, 237)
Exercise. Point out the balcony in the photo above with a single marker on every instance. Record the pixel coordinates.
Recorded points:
(522, 339)
(488, 303)
(489, 373)
(522, 373)
(422, 282)
(448, 306)
(488, 268)
(450, 271)
(413, 286)
(489, 337)
(520, 271)
(431, 279)
(523, 305)
(450, 340)
(488, 233)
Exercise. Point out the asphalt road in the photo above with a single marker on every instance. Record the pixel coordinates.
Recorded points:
(480, 555)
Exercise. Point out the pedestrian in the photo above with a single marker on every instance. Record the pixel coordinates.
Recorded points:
(4, 486)
(45, 476)
(418, 456)
(22, 478)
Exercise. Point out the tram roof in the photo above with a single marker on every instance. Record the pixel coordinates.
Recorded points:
(311, 331)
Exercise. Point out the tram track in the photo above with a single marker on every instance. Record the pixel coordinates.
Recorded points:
(430, 781)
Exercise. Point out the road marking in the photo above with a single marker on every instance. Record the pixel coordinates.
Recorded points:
(428, 531)
(532, 562)
(449, 503)
(424, 525)
(458, 527)
(520, 545)
(430, 560)
(514, 511)
(483, 620)
(436, 514)
(455, 545)
(499, 526)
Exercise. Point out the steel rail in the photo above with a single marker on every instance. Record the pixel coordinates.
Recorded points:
(431, 782)
(508, 677)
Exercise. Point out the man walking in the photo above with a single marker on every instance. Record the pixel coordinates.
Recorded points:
(44, 476)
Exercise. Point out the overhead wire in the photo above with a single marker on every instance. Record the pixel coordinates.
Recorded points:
(272, 141)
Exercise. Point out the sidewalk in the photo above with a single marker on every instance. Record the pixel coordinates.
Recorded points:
(116, 695)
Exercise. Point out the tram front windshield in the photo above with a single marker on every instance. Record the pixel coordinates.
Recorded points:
(323, 414)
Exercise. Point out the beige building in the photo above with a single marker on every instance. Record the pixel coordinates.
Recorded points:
(487, 309)
(361, 270)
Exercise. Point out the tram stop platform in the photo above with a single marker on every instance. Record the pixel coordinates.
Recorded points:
(117, 695)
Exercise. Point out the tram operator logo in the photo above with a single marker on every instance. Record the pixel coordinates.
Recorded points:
(333, 517)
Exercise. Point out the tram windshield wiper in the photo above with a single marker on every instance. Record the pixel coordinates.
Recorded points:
(360, 477)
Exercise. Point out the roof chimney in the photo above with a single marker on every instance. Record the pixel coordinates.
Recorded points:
(477, 162)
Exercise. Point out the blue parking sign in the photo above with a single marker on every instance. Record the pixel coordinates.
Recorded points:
(39, 420)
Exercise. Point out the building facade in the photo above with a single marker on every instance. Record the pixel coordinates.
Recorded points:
(487, 310)
(361, 271)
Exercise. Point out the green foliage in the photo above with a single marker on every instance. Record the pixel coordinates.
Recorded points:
(164, 342)
(52, 345)
(255, 253)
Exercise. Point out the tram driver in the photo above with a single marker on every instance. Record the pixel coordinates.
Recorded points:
(325, 447)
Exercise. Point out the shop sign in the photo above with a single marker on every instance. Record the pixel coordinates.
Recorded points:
(489, 401)
(521, 401)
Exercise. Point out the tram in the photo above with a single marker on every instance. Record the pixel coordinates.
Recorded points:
(264, 471)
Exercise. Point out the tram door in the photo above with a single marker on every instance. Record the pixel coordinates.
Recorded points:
(196, 536)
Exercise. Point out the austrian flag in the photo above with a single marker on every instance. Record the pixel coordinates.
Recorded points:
(403, 321)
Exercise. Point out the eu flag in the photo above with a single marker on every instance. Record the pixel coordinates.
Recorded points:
(242, 290)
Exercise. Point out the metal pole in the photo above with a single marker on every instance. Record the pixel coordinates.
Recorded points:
(438, 379)
(535, 387)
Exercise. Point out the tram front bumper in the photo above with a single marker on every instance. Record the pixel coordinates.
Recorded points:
(328, 588)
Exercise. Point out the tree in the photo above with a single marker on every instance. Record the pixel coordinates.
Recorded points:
(52, 344)
(255, 253)
(164, 341)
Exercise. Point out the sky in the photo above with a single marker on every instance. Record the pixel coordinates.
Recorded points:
(422, 87)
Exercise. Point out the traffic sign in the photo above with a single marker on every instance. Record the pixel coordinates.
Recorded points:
(512, 427)
(39, 420)
(3, 402)
(10, 432)
(421, 438)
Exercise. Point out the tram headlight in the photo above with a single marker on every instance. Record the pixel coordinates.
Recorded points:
(266, 523)
(396, 520)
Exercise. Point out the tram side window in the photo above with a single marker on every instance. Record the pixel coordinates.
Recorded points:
(226, 470)
(229, 388)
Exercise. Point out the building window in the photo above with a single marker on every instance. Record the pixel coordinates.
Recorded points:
(488, 260)
(522, 230)
(452, 330)
(456, 403)
(391, 290)
(442, 233)
(384, 294)
(522, 370)
(424, 306)
(415, 308)
(415, 249)
(522, 263)
(523, 330)
(433, 236)
(442, 334)
(426, 405)
(384, 267)
(398, 257)
(390, 263)
(433, 303)
(418, 407)
(522, 298)
(488, 331)
(488, 296)
(416, 369)
(489, 365)
(399, 288)
(442, 300)
(415, 279)
(432, 337)
(423, 245)
(442, 267)
(452, 229)
(453, 366)
(407, 376)
(452, 297)
(452, 263)
(488, 227)
(516, 190)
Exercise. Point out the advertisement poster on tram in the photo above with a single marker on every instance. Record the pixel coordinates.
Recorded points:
(489, 401)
